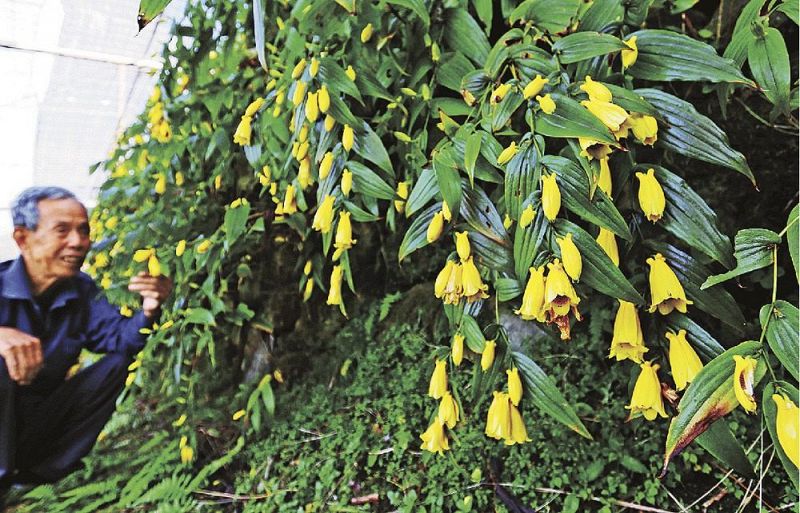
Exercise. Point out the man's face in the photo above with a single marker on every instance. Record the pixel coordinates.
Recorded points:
(58, 246)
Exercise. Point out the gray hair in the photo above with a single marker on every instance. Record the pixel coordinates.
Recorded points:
(25, 207)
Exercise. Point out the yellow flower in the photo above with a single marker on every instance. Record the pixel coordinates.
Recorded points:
(527, 216)
(348, 137)
(743, 381)
(665, 290)
(559, 298)
(787, 426)
(323, 99)
(314, 68)
(533, 298)
(448, 216)
(448, 410)
(335, 291)
(608, 242)
(448, 285)
(289, 201)
(180, 420)
(304, 177)
(438, 384)
(435, 227)
(499, 93)
(651, 195)
(593, 149)
(646, 399)
(351, 73)
(551, 197)
(434, 439)
(253, 108)
(323, 219)
(326, 165)
(645, 128)
(106, 282)
(629, 54)
(683, 360)
(312, 107)
(462, 245)
(153, 266)
(546, 103)
(469, 98)
(187, 454)
(473, 287)
(112, 222)
(347, 182)
(125, 311)
(299, 95)
(298, 69)
(344, 235)
(612, 116)
(604, 180)
(519, 434)
(366, 33)
(573, 263)
(143, 254)
(179, 179)
(457, 349)
(161, 184)
(487, 356)
(308, 267)
(628, 340)
(507, 221)
(309, 288)
(402, 193)
(507, 153)
(596, 90)
(238, 415)
(204, 246)
(498, 419)
(243, 132)
(330, 122)
(514, 386)
(534, 87)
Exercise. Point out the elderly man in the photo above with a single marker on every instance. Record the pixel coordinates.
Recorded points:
(49, 311)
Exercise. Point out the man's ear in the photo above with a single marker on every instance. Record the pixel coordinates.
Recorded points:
(20, 236)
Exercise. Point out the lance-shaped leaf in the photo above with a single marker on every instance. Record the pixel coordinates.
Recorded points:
(769, 62)
(527, 242)
(416, 235)
(716, 301)
(472, 334)
(720, 442)
(367, 181)
(782, 333)
(571, 119)
(574, 186)
(472, 149)
(447, 177)
(709, 397)
(770, 418)
(546, 15)
(258, 29)
(500, 52)
(539, 388)
(370, 146)
(235, 222)
(481, 214)
(599, 272)
(689, 133)
(521, 179)
(689, 218)
(464, 33)
(585, 45)
(452, 70)
(505, 109)
(148, 10)
(631, 101)
(333, 76)
(602, 14)
(200, 316)
(754, 250)
(665, 56)
(707, 347)
(417, 6)
(425, 189)
(507, 288)
(489, 253)
(793, 238)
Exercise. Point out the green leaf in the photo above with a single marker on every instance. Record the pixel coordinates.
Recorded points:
(793, 239)
(716, 302)
(200, 316)
(471, 152)
(452, 70)
(521, 179)
(689, 133)
(782, 334)
(679, 6)
(742, 35)
(482, 216)
(585, 45)
(424, 189)
(416, 235)
(527, 242)
(503, 111)
(599, 272)
(769, 62)
(707, 347)
(370, 146)
(448, 178)
(488, 252)
(333, 76)
(484, 10)
(268, 398)
(464, 33)
(666, 56)
(636, 11)
(571, 119)
(235, 222)
(789, 8)
(574, 186)
(720, 443)
(631, 101)
(545, 396)
(417, 6)
(370, 86)
(709, 397)
(601, 15)
(258, 28)
(507, 288)
(473, 335)
(770, 418)
(689, 218)
(148, 10)
(754, 250)
(551, 16)
(366, 181)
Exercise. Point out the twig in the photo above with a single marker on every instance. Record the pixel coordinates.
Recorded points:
(238, 497)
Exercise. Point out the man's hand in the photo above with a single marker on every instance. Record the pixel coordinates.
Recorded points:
(22, 353)
(153, 289)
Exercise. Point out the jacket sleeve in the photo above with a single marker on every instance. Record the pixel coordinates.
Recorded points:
(108, 331)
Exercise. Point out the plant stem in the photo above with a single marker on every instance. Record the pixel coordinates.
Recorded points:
(791, 223)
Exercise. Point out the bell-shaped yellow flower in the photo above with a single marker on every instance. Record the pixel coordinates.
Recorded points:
(448, 283)
(313, 69)
(519, 435)
(435, 227)
(665, 290)
(326, 165)
(651, 195)
(304, 177)
(499, 93)
(612, 116)
(560, 298)
(366, 32)
(140, 255)
(309, 288)
(187, 454)
(438, 384)
(448, 216)
(473, 286)
(298, 96)
(153, 266)
(350, 72)
(457, 349)
(243, 131)
(507, 153)
(289, 201)
(593, 149)
(608, 242)
(487, 356)
(534, 87)
(498, 419)
(551, 197)
(180, 248)
(646, 399)
(302, 150)
(744, 380)
(335, 291)
(323, 219)
(347, 182)
(628, 340)
(787, 426)
(630, 54)
(448, 410)
(402, 193)
(533, 298)
(434, 438)
(645, 128)
(161, 184)
(604, 180)
(462, 245)
(330, 122)
(298, 69)
(323, 99)
(348, 137)
(571, 257)
(204, 246)
(344, 235)
(527, 216)
(254, 107)
(514, 386)
(312, 107)
(683, 359)
(596, 90)
(546, 103)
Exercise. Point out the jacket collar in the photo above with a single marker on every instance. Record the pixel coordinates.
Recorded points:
(17, 285)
